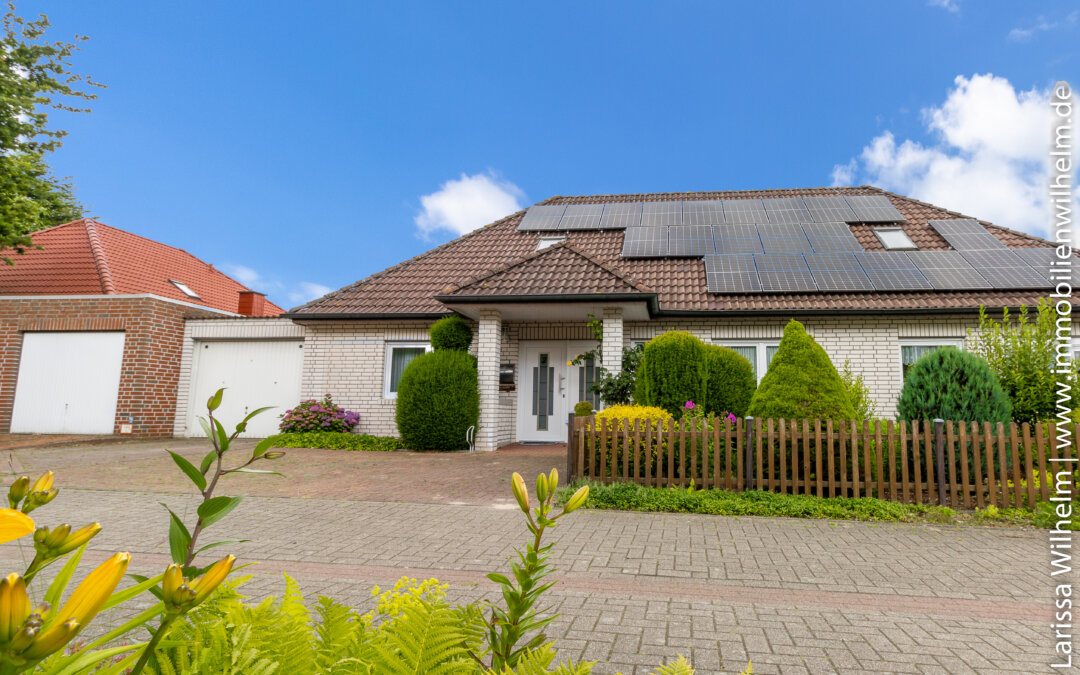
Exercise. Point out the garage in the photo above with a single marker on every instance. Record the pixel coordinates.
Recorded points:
(67, 383)
(254, 373)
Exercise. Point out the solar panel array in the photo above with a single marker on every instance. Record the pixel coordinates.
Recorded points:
(781, 210)
(843, 271)
(1047, 262)
(965, 234)
(690, 241)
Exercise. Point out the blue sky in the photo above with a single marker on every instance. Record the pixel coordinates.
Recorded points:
(294, 143)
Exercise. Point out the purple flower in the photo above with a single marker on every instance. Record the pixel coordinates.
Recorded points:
(689, 405)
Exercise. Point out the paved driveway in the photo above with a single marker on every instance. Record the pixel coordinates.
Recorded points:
(794, 596)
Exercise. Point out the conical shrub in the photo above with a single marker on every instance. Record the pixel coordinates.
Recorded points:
(951, 384)
(801, 383)
(672, 372)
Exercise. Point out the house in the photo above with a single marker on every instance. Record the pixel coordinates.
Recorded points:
(92, 329)
(878, 278)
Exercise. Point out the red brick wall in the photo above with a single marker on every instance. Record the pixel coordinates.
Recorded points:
(153, 340)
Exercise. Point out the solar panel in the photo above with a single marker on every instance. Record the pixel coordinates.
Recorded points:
(827, 237)
(874, 209)
(645, 242)
(784, 272)
(731, 274)
(832, 209)
(786, 210)
(1005, 269)
(703, 212)
(1046, 260)
(783, 239)
(947, 270)
(542, 217)
(744, 211)
(621, 215)
(690, 241)
(965, 234)
(661, 213)
(582, 217)
(892, 271)
(736, 239)
(838, 272)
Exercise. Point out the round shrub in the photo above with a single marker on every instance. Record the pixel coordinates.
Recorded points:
(438, 400)
(312, 415)
(951, 384)
(583, 409)
(731, 382)
(672, 372)
(801, 383)
(451, 332)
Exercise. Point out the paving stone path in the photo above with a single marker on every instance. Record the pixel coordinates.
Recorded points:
(635, 589)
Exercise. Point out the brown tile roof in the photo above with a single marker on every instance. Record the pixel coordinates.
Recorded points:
(410, 287)
(85, 257)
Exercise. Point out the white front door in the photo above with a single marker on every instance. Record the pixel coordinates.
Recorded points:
(549, 388)
(68, 383)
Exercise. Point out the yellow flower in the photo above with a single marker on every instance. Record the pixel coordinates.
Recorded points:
(14, 606)
(14, 524)
(93, 592)
(205, 585)
(44, 483)
(78, 538)
(575, 502)
(521, 493)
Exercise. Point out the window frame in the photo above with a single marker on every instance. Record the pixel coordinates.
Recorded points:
(878, 233)
(185, 289)
(551, 241)
(761, 352)
(388, 360)
(957, 342)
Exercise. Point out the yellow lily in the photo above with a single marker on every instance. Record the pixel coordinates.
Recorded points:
(521, 493)
(44, 483)
(14, 606)
(14, 524)
(91, 594)
(205, 585)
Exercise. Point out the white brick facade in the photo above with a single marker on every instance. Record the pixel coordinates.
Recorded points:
(611, 350)
(488, 351)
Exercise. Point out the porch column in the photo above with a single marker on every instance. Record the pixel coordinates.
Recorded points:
(611, 349)
(488, 355)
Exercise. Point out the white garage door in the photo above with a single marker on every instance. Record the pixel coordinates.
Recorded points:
(255, 374)
(68, 383)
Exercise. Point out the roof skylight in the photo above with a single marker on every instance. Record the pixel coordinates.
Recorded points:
(894, 239)
(185, 290)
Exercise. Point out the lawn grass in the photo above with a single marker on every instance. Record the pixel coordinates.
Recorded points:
(632, 497)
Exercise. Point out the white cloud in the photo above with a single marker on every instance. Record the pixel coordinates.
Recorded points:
(307, 291)
(244, 275)
(987, 157)
(1042, 25)
(947, 5)
(297, 294)
(465, 204)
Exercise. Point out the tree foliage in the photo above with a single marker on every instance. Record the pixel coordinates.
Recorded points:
(951, 384)
(1023, 354)
(801, 383)
(35, 79)
(672, 372)
(731, 381)
(438, 400)
(858, 393)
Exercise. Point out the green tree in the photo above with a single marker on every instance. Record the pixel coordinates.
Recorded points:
(731, 381)
(801, 383)
(672, 372)
(951, 384)
(1022, 353)
(35, 78)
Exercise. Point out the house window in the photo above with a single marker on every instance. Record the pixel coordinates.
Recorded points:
(398, 356)
(759, 354)
(895, 239)
(545, 242)
(912, 351)
(185, 290)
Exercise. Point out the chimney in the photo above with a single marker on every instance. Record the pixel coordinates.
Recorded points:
(251, 303)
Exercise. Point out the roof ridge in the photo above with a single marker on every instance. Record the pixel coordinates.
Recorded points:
(97, 251)
(679, 194)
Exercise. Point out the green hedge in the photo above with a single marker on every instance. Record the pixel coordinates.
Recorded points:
(438, 400)
(951, 384)
(731, 381)
(335, 440)
(673, 372)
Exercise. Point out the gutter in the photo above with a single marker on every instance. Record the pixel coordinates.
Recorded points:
(649, 298)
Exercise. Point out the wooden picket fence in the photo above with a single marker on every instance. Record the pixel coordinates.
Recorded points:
(958, 464)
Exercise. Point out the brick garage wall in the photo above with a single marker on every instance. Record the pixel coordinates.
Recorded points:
(153, 343)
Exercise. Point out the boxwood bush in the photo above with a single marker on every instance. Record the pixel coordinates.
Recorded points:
(951, 384)
(438, 400)
(451, 332)
(672, 372)
(731, 382)
(801, 383)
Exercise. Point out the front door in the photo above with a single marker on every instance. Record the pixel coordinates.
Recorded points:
(550, 388)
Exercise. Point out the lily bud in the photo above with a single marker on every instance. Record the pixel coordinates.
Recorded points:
(205, 585)
(14, 606)
(78, 538)
(18, 490)
(541, 488)
(273, 455)
(553, 480)
(38, 499)
(51, 640)
(92, 594)
(577, 500)
(521, 493)
(55, 537)
(43, 483)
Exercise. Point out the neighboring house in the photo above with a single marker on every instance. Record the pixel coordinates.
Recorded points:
(92, 329)
(874, 279)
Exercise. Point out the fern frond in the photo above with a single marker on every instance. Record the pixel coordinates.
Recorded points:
(680, 667)
(426, 640)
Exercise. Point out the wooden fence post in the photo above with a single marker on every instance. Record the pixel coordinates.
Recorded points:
(748, 463)
(570, 454)
(939, 452)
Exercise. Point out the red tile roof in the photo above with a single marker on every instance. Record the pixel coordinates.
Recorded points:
(411, 287)
(85, 257)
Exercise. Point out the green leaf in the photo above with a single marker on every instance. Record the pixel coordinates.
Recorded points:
(87, 659)
(206, 427)
(255, 412)
(223, 438)
(215, 400)
(499, 578)
(179, 538)
(262, 447)
(153, 589)
(244, 469)
(119, 597)
(216, 508)
(133, 623)
(222, 543)
(207, 461)
(56, 588)
(188, 468)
